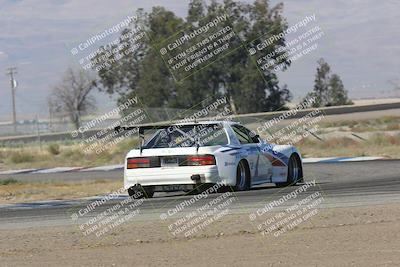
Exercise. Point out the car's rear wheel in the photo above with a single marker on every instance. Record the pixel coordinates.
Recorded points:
(139, 191)
(242, 177)
(293, 172)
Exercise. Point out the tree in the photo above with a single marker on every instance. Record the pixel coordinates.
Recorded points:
(328, 90)
(337, 93)
(72, 95)
(235, 76)
(321, 84)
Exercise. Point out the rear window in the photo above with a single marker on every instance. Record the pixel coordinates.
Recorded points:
(186, 136)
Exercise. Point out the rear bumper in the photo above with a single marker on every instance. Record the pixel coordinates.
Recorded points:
(171, 175)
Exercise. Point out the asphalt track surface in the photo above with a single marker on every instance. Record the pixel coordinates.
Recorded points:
(341, 185)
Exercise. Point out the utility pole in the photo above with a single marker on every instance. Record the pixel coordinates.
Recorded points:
(11, 71)
(38, 132)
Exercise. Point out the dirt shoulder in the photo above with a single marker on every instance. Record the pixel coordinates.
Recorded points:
(358, 236)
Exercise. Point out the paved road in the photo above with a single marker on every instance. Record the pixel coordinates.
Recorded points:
(341, 184)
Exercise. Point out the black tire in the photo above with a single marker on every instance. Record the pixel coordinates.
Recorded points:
(294, 172)
(242, 176)
(137, 192)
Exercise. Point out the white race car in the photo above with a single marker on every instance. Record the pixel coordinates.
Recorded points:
(181, 157)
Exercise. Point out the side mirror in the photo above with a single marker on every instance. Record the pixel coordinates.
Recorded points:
(256, 138)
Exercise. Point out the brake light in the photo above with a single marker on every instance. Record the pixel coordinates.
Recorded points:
(134, 163)
(200, 160)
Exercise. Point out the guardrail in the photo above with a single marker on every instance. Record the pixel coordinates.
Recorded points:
(337, 110)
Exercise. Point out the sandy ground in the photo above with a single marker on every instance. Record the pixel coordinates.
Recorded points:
(358, 236)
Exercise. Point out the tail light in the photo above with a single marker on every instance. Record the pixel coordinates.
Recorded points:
(199, 160)
(134, 163)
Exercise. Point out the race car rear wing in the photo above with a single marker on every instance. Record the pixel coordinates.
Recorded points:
(142, 128)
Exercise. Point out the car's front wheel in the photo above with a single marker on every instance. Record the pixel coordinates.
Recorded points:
(137, 192)
(293, 172)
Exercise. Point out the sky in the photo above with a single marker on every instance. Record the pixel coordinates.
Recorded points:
(361, 42)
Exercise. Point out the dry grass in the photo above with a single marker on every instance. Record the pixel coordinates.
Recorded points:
(377, 145)
(17, 192)
(386, 123)
(71, 154)
(60, 154)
